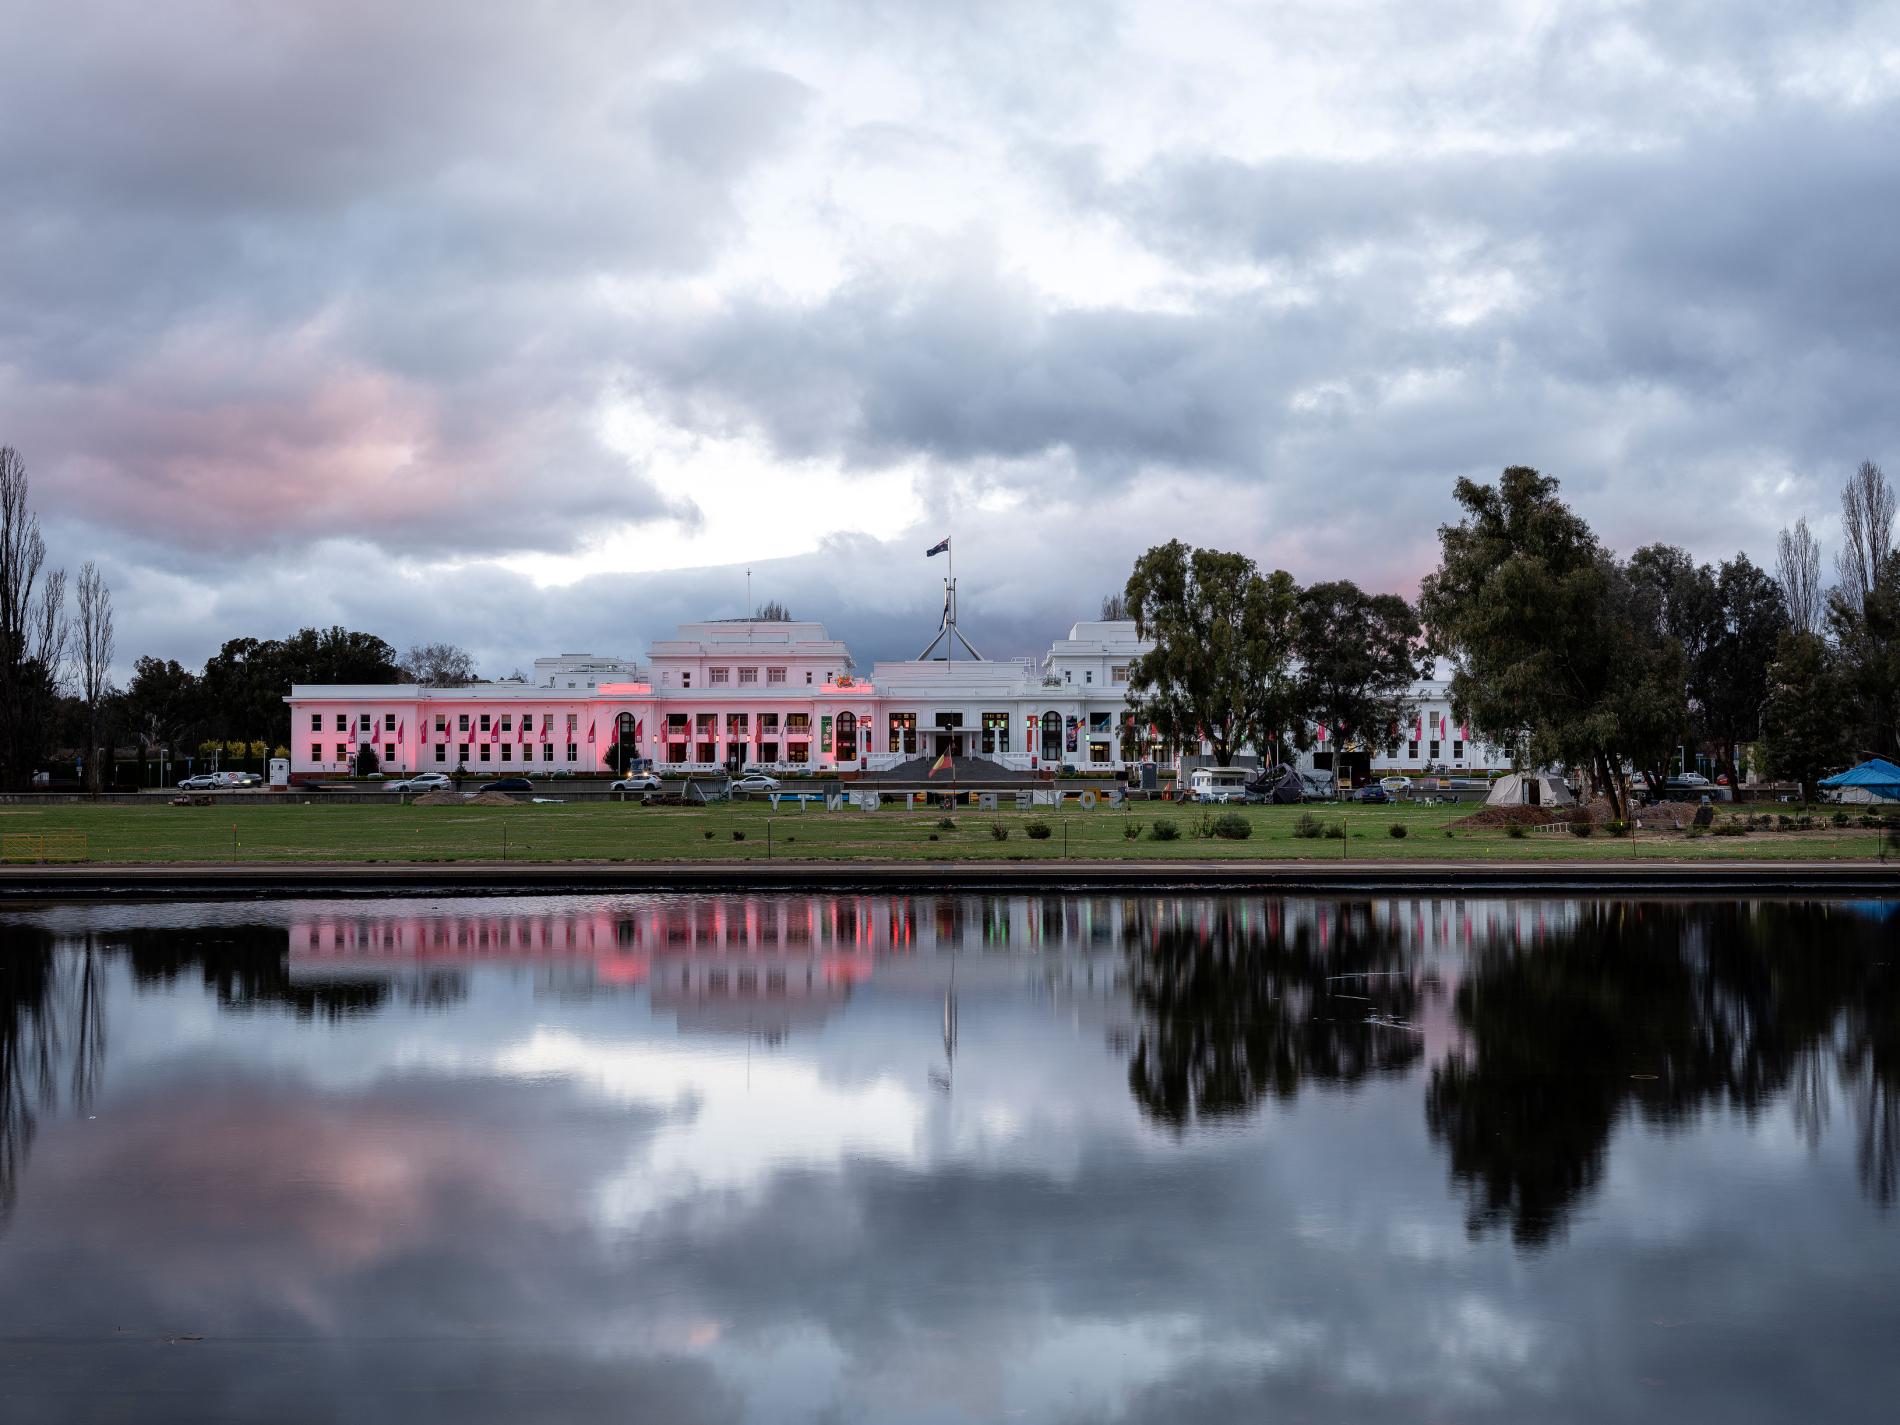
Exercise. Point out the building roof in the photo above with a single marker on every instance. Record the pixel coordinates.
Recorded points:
(1877, 773)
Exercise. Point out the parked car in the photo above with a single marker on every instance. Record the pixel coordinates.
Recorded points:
(1372, 792)
(638, 782)
(423, 782)
(753, 782)
(239, 779)
(203, 782)
(507, 784)
(1397, 786)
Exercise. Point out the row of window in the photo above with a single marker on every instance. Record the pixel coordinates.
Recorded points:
(1457, 749)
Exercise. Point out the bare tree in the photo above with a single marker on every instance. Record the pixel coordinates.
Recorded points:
(32, 626)
(438, 665)
(1867, 510)
(1114, 608)
(774, 612)
(95, 659)
(1798, 571)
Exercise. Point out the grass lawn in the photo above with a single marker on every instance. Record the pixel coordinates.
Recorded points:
(629, 832)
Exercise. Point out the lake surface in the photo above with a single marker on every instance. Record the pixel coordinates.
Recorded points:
(950, 1159)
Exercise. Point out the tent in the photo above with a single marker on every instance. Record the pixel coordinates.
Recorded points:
(1530, 789)
(1875, 781)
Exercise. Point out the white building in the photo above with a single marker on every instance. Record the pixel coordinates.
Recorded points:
(785, 696)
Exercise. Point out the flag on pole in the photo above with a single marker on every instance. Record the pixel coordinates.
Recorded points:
(942, 546)
(942, 764)
(590, 732)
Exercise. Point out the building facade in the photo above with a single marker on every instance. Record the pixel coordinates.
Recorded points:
(784, 696)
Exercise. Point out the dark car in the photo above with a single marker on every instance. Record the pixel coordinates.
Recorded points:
(507, 784)
(1372, 793)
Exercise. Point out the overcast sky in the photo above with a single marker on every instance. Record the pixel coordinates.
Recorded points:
(531, 326)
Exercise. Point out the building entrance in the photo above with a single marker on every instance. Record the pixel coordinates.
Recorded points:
(951, 742)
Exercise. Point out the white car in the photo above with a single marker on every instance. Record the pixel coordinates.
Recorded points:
(203, 782)
(638, 782)
(423, 782)
(239, 779)
(754, 782)
(1397, 786)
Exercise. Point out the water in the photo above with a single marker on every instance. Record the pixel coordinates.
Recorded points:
(953, 1159)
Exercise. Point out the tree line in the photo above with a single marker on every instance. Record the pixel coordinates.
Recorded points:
(1560, 651)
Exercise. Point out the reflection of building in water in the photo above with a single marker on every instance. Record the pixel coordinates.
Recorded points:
(764, 964)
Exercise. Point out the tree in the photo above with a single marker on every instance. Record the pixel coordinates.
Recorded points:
(246, 681)
(33, 628)
(1867, 512)
(95, 659)
(774, 612)
(1537, 619)
(1866, 635)
(162, 701)
(1728, 681)
(368, 764)
(1798, 571)
(1805, 737)
(1114, 608)
(1359, 657)
(437, 665)
(1220, 668)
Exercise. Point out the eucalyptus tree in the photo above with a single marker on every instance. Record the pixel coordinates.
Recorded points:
(1359, 656)
(1221, 668)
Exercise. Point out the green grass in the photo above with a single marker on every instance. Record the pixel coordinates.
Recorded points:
(629, 832)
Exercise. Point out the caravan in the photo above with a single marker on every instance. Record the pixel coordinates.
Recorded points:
(1219, 784)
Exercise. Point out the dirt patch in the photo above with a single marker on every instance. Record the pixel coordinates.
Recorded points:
(456, 799)
(1494, 818)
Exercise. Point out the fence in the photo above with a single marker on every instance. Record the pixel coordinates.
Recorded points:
(40, 847)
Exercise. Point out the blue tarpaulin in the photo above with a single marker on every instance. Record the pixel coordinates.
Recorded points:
(1878, 778)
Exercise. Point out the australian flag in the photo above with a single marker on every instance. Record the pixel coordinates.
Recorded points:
(942, 546)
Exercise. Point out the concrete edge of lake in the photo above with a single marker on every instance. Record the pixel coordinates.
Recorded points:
(287, 879)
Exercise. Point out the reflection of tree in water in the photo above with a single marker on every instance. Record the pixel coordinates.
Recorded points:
(1238, 1000)
(1725, 1005)
(51, 1008)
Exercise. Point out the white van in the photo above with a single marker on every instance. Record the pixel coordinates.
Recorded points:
(1219, 784)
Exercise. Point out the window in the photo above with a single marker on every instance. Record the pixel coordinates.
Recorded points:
(716, 675)
(738, 724)
(507, 749)
(572, 755)
(1118, 674)
(775, 675)
(1052, 736)
(1068, 676)
(316, 722)
(507, 723)
(441, 723)
(486, 725)
(573, 721)
(461, 722)
(686, 680)
(798, 752)
(441, 752)
(342, 752)
(389, 722)
(847, 735)
(484, 752)
(1432, 749)
(798, 722)
(748, 675)
(1457, 747)
(1099, 722)
(362, 721)
(704, 723)
(461, 753)
(389, 752)
(1089, 677)
(808, 677)
(547, 752)
(995, 732)
(768, 722)
(316, 752)
(1412, 749)
(903, 732)
(342, 723)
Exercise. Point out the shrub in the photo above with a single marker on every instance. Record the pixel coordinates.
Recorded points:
(1164, 831)
(998, 832)
(933, 836)
(1131, 831)
(1335, 831)
(1514, 830)
(738, 835)
(1840, 818)
(1729, 828)
(708, 835)
(1396, 831)
(1616, 827)
(1309, 827)
(1038, 830)
(945, 823)
(1582, 826)
(1232, 827)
